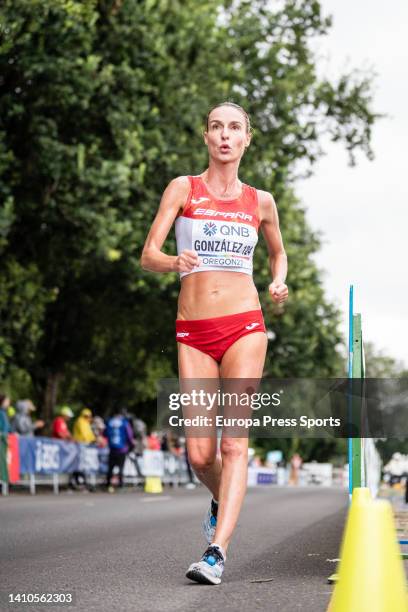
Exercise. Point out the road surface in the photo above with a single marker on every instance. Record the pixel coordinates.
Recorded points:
(130, 551)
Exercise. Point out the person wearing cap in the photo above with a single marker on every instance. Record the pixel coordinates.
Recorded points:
(60, 424)
(82, 431)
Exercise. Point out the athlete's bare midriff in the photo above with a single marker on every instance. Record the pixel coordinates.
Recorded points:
(205, 295)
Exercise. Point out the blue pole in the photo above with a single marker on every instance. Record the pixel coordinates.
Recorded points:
(350, 375)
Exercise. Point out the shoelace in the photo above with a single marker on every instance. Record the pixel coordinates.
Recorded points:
(213, 556)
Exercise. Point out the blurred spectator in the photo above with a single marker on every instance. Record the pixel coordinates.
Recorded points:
(4, 406)
(83, 434)
(175, 445)
(120, 439)
(139, 441)
(98, 427)
(82, 431)
(60, 424)
(153, 441)
(164, 442)
(295, 465)
(139, 432)
(22, 422)
(171, 443)
(11, 413)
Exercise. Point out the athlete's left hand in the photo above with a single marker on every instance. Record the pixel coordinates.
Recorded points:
(278, 292)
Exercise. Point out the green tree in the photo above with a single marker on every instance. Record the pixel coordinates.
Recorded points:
(101, 105)
(380, 365)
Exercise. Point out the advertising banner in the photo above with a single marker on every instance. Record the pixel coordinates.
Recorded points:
(47, 456)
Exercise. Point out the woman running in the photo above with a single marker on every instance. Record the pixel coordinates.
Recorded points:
(219, 328)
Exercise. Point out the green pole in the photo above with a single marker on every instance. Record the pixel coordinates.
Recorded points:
(358, 373)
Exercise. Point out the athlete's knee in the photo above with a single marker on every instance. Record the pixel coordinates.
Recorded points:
(234, 448)
(201, 462)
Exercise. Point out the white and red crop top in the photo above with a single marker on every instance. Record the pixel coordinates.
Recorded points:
(224, 233)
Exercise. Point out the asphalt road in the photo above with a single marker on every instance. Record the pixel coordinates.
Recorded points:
(129, 552)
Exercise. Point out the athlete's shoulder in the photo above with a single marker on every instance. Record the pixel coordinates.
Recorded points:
(180, 184)
(267, 205)
(265, 198)
(177, 192)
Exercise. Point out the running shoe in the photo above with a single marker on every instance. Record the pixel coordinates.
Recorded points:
(210, 567)
(210, 521)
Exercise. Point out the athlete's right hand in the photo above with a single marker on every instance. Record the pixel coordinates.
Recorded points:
(186, 261)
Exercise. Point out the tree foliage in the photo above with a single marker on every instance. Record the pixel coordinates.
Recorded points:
(102, 103)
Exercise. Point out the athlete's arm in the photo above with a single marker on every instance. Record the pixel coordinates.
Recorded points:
(153, 259)
(278, 261)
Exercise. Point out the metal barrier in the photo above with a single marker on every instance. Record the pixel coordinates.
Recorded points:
(90, 461)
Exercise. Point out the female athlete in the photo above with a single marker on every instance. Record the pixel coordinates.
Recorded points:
(219, 328)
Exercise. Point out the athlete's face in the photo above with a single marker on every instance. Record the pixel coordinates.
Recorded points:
(226, 136)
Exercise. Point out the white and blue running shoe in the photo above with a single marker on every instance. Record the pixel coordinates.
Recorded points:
(210, 521)
(210, 567)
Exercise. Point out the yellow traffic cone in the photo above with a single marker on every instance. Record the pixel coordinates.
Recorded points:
(371, 574)
(153, 484)
(360, 494)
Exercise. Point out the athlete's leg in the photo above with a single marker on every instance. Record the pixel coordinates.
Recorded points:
(202, 451)
(243, 360)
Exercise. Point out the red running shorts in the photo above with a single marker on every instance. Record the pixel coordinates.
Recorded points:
(215, 336)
